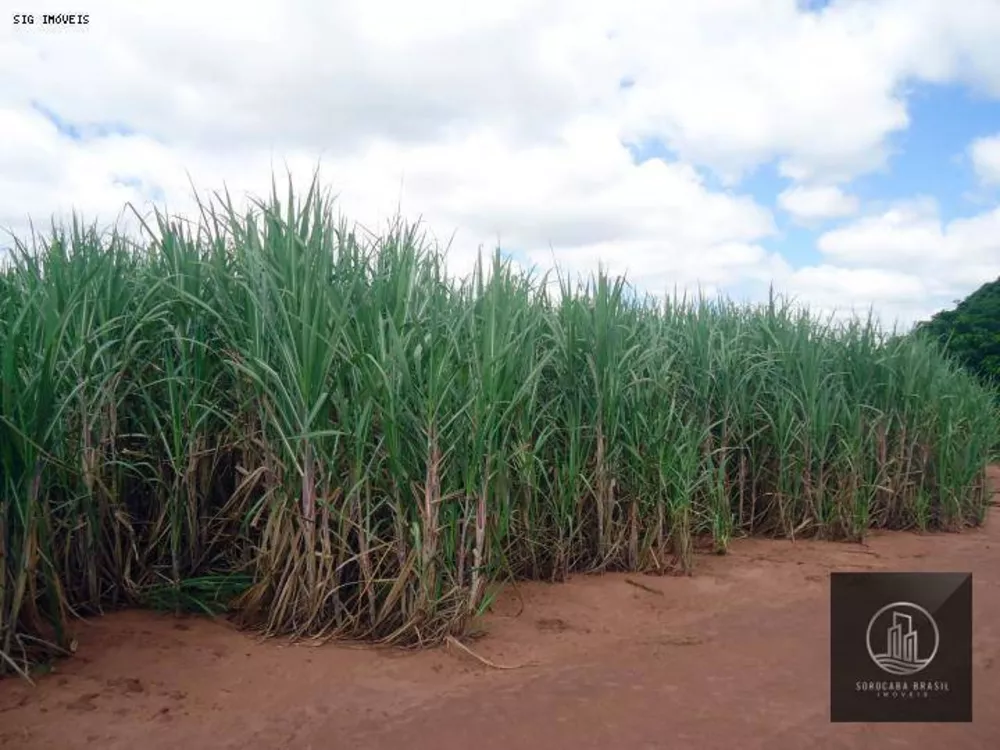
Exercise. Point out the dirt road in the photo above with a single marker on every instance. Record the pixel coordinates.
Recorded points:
(735, 657)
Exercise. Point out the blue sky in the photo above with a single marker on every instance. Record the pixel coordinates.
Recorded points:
(928, 159)
(80, 131)
(931, 156)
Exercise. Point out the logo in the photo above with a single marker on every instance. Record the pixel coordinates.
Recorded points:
(900, 647)
(908, 635)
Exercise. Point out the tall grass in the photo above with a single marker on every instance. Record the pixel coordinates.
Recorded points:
(272, 412)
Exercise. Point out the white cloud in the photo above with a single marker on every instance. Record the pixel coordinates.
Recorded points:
(814, 203)
(906, 258)
(907, 234)
(985, 153)
(583, 197)
(735, 83)
(844, 293)
(507, 119)
(728, 83)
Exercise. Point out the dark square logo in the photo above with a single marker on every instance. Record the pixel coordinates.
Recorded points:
(901, 647)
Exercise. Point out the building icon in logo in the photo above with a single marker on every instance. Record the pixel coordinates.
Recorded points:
(910, 635)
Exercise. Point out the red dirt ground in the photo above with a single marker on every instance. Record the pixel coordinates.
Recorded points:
(735, 657)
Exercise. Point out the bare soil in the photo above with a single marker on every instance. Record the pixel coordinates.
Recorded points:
(734, 657)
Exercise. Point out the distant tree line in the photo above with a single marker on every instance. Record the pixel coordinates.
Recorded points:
(971, 332)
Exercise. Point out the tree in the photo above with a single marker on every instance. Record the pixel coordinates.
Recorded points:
(971, 332)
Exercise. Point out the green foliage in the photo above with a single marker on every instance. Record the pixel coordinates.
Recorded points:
(208, 595)
(971, 332)
(324, 434)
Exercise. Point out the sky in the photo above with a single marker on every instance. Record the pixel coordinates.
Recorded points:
(846, 153)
